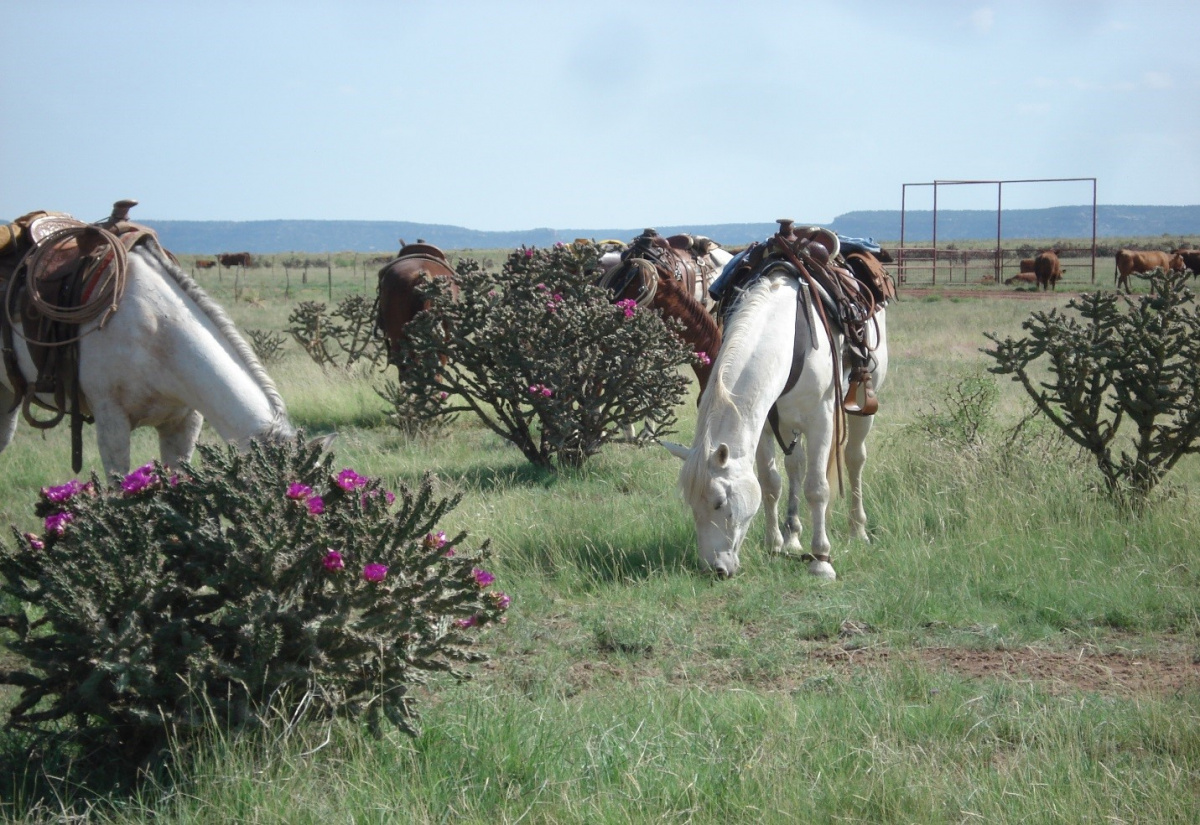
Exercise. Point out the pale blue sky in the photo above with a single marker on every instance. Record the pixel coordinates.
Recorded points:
(516, 115)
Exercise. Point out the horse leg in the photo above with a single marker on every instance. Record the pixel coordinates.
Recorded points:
(8, 420)
(177, 439)
(112, 437)
(818, 443)
(772, 485)
(793, 527)
(858, 426)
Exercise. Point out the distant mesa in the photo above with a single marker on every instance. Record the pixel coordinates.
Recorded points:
(269, 237)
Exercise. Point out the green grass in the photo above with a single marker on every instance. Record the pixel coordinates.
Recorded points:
(626, 686)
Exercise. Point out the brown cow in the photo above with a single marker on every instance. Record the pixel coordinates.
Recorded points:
(230, 259)
(1191, 258)
(201, 263)
(1129, 261)
(1022, 278)
(1047, 269)
(1027, 265)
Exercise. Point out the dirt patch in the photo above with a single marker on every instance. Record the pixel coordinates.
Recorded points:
(1089, 670)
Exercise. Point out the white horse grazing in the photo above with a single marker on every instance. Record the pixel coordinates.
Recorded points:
(730, 468)
(168, 358)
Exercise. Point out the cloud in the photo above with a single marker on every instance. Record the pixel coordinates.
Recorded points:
(1156, 80)
(982, 19)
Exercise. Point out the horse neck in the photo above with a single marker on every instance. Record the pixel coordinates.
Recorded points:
(752, 366)
(229, 386)
(700, 331)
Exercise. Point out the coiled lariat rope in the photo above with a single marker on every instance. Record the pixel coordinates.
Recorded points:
(633, 267)
(103, 298)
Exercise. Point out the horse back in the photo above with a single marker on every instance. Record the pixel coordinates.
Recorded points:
(401, 292)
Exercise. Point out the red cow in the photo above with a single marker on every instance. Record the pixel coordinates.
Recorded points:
(1022, 278)
(201, 263)
(1129, 261)
(1191, 258)
(230, 259)
(1047, 269)
(1027, 265)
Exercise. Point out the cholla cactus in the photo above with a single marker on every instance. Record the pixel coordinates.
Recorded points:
(543, 358)
(1124, 379)
(249, 581)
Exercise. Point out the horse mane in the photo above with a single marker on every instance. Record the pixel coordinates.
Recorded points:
(688, 310)
(717, 403)
(224, 324)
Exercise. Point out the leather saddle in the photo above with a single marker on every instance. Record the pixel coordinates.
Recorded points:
(422, 250)
(685, 257)
(849, 291)
(50, 263)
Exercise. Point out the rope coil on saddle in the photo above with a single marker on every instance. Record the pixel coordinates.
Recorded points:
(632, 267)
(103, 298)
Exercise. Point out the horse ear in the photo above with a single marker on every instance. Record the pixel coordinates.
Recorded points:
(721, 456)
(678, 450)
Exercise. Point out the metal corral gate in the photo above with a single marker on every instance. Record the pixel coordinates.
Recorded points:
(931, 253)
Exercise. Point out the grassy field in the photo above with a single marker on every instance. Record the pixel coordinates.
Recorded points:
(1007, 648)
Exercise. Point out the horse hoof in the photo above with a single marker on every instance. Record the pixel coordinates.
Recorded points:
(822, 570)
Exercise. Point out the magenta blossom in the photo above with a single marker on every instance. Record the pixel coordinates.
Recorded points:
(63, 492)
(139, 479)
(333, 561)
(540, 389)
(56, 523)
(298, 491)
(443, 395)
(433, 541)
(703, 358)
(529, 253)
(482, 577)
(34, 542)
(468, 622)
(502, 600)
(629, 306)
(375, 572)
(349, 480)
(316, 505)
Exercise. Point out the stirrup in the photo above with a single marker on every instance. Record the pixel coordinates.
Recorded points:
(870, 403)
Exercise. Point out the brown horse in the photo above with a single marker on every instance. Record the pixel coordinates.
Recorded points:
(653, 286)
(400, 294)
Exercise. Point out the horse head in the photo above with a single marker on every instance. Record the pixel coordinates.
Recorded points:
(724, 495)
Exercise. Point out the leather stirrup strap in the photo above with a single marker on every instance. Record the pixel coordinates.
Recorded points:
(798, 353)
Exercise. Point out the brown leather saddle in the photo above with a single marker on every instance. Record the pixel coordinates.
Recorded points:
(846, 293)
(420, 249)
(57, 273)
(682, 257)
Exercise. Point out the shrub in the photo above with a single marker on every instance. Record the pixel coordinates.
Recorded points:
(543, 357)
(963, 417)
(415, 412)
(267, 343)
(1140, 365)
(254, 582)
(337, 343)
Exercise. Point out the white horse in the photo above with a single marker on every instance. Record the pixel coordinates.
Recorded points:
(730, 468)
(168, 358)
